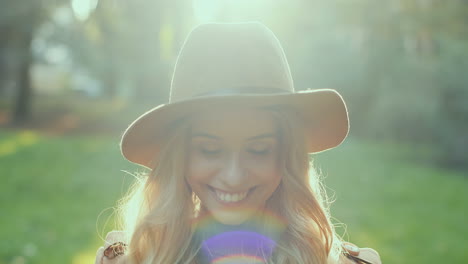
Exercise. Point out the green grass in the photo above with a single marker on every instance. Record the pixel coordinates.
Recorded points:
(54, 189)
(392, 199)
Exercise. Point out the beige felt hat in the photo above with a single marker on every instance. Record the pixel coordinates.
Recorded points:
(243, 65)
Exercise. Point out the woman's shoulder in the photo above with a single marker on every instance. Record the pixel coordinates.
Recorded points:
(364, 255)
(114, 249)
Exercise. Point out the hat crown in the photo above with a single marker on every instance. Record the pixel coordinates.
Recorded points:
(230, 58)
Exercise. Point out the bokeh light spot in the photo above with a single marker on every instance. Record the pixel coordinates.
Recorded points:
(27, 138)
(83, 8)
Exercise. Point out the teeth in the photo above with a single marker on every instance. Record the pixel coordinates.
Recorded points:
(230, 198)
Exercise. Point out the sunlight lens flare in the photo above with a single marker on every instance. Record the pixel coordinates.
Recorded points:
(238, 247)
(239, 260)
(83, 8)
(251, 242)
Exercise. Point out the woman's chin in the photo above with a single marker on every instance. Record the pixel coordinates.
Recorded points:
(230, 217)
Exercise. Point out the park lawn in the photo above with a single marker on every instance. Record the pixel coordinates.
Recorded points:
(54, 190)
(391, 198)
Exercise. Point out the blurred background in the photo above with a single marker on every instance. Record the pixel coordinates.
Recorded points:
(74, 73)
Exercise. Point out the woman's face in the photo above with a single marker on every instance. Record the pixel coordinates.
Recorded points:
(233, 166)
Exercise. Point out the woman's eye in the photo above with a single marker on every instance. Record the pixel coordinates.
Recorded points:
(259, 152)
(209, 149)
(259, 149)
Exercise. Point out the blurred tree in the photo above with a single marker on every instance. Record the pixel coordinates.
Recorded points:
(18, 24)
(153, 39)
(131, 46)
(451, 125)
(400, 64)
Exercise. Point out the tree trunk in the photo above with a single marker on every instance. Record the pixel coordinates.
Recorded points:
(22, 106)
(3, 59)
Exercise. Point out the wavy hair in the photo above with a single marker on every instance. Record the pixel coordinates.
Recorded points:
(158, 212)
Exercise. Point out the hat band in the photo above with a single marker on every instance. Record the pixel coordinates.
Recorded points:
(244, 90)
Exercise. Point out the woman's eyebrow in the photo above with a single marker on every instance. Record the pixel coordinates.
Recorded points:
(262, 136)
(203, 134)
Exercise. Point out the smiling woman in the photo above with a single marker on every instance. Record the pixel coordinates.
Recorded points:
(230, 179)
(233, 169)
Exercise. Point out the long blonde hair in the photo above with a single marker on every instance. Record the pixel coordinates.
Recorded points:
(158, 212)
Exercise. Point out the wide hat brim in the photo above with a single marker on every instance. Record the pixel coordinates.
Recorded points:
(323, 111)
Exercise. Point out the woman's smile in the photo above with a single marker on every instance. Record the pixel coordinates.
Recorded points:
(231, 198)
(234, 166)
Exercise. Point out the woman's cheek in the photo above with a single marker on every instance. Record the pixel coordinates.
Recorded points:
(266, 167)
(199, 168)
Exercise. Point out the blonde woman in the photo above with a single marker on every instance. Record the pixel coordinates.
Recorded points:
(230, 179)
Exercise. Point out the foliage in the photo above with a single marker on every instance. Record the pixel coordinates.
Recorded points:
(400, 64)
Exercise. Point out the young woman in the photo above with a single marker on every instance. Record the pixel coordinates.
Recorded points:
(230, 179)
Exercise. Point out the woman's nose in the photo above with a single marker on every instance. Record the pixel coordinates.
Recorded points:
(233, 173)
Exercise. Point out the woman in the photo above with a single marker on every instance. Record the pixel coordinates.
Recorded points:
(230, 178)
